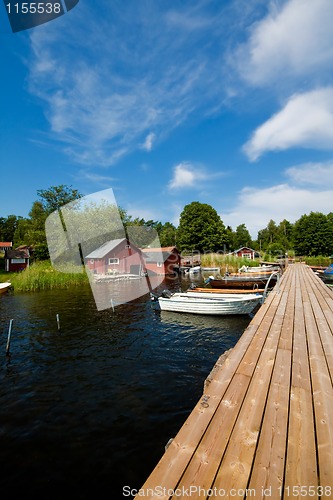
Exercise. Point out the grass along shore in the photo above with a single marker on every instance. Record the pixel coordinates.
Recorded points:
(226, 263)
(42, 276)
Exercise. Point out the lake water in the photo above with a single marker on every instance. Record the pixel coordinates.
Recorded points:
(90, 408)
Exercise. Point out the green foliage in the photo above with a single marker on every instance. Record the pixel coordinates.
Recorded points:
(167, 235)
(242, 237)
(275, 249)
(57, 196)
(318, 260)
(8, 227)
(42, 276)
(230, 263)
(201, 228)
(313, 235)
(280, 235)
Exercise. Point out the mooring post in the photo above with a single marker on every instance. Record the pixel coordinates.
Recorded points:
(8, 338)
(58, 321)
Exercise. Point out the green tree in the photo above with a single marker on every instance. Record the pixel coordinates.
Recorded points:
(8, 226)
(21, 231)
(285, 232)
(56, 196)
(313, 235)
(167, 235)
(201, 228)
(268, 235)
(231, 238)
(31, 231)
(242, 237)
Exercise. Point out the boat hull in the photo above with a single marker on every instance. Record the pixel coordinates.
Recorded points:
(240, 283)
(220, 306)
(4, 287)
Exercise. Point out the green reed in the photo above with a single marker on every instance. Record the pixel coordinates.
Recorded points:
(42, 276)
(228, 263)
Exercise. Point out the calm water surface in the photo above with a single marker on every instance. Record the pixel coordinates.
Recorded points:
(90, 408)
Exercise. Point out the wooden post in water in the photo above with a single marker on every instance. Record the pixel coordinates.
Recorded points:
(8, 338)
(58, 321)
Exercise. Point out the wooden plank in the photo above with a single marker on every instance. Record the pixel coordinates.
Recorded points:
(268, 469)
(207, 457)
(321, 386)
(237, 462)
(301, 463)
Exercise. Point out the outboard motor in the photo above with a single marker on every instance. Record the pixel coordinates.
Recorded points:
(166, 294)
(208, 280)
(153, 297)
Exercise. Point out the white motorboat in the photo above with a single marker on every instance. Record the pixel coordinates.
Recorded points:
(213, 304)
(4, 287)
(259, 269)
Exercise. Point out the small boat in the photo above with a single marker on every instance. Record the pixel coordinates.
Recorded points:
(4, 287)
(210, 269)
(327, 274)
(194, 270)
(230, 291)
(328, 270)
(247, 281)
(259, 269)
(213, 304)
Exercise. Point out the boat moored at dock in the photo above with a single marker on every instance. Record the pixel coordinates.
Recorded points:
(212, 304)
(4, 287)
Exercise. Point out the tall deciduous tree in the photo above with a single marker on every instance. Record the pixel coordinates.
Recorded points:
(8, 226)
(56, 196)
(201, 228)
(242, 237)
(313, 235)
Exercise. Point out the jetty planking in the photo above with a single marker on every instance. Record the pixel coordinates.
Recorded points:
(263, 427)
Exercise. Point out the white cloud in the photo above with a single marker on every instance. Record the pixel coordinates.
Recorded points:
(305, 121)
(108, 75)
(315, 174)
(293, 40)
(96, 178)
(148, 144)
(186, 175)
(255, 207)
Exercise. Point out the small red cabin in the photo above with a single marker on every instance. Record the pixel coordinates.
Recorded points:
(246, 252)
(17, 260)
(5, 245)
(116, 257)
(163, 261)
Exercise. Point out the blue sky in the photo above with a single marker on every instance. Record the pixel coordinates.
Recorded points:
(224, 102)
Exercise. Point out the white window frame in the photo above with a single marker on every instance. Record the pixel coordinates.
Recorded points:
(113, 261)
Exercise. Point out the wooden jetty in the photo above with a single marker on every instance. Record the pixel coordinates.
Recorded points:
(263, 427)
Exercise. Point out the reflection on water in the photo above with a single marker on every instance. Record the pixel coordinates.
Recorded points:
(90, 407)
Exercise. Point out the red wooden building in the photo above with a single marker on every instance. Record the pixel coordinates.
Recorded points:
(5, 245)
(246, 252)
(116, 257)
(163, 261)
(18, 259)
